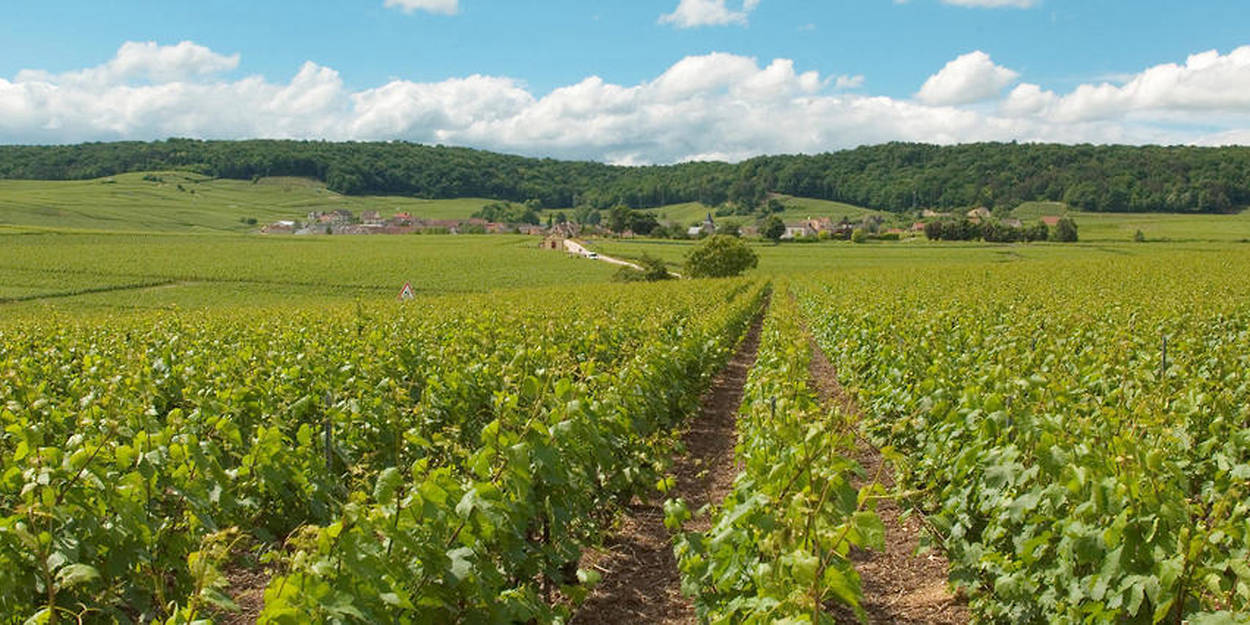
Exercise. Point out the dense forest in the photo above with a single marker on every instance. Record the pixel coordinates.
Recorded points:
(894, 177)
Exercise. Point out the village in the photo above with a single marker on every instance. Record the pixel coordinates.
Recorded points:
(371, 222)
(343, 221)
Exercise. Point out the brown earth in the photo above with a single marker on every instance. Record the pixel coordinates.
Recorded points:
(641, 584)
(899, 586)
(247, 589)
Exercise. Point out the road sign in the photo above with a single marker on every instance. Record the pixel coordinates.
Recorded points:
(407, 293)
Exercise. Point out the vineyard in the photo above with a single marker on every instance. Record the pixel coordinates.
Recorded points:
(1077, 433)
(444, 462)
(1073, 432)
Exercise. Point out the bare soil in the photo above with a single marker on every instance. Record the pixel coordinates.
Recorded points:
(641, 584)
(247, 589)
(899, 586)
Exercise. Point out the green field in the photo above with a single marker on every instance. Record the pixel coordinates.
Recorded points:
(75, 270)
(1155, 227)
(175, 239)
(186, 202)
(791, 258)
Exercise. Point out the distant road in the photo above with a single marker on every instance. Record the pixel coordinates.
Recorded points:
(574, 247)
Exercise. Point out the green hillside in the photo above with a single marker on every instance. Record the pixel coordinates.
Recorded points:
(896, 177)
(186, 202)
(796, 208)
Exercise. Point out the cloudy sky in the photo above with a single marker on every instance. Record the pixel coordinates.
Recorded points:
(643, 81)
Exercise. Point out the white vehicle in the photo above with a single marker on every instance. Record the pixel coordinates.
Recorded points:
(592, 255)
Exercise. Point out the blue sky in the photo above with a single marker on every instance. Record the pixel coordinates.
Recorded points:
(1058, 70)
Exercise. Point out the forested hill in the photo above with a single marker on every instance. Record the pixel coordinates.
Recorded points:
(894, 176)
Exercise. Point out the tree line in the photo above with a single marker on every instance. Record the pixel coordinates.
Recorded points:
(895, 177)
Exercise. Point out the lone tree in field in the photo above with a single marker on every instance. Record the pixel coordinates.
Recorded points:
(720, 256)
(1065, 231)
(773, 228)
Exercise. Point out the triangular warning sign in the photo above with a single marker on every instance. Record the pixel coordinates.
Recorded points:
(407, 293)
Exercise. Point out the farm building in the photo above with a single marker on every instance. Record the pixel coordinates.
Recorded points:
(979, 214)
(799, 230)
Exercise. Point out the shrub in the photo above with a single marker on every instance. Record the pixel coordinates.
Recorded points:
(653, 270)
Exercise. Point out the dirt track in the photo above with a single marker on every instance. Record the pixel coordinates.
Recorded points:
(641, 584)
(899, 586)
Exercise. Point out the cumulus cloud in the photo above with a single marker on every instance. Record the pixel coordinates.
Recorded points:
(146, 61)
(993, 4)
(713, 106)
(970, 78)
(445, 7)
(695, 13)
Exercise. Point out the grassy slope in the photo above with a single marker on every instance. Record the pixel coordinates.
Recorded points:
(796, 208)
(1156, 226)
(127, 202)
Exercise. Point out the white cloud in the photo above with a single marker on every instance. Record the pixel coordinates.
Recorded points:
(718, 105)
(146, 61)
(1207, 82)
(849, 82)
(994, 4)
(694, 13)
(970, 78)
(445, 7)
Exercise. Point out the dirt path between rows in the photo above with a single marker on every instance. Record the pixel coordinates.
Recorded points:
(899, 586)
(641, 585)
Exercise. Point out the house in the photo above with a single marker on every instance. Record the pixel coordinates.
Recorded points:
(799, 230)
(821, 224)
(566, 230)
(401, 219)
(979, 214)
(279, 227)
(918, 226)
(371, 217)
(450, 226)
(1012, 222)
(355, 229)
(930, 213)
(553, 242)
(530, 229)
(1051, 220)
(707, 227)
